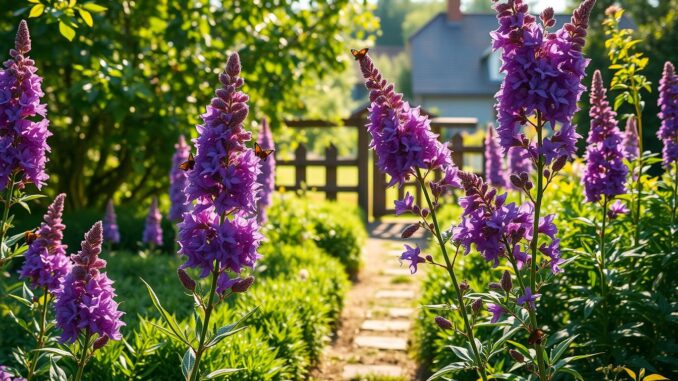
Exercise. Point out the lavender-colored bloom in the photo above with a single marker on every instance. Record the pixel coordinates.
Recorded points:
(616, 209)
(487, 222)
(412, 254)
(494, 173)
(528, 298)
(226, 171)
(85, 303)
(496, 310)
(23, 122)
(267, 175)
(630, 140)
(543, 75)
(401, 136)
(179, 204)
(46, 263)
(111, 232)
(547, 227)
(153, 230)
(668, 105)
(605, 173)
(405, 205)
(5, 375)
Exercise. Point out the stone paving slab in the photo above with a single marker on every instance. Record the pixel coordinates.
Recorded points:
(397, 271)
(385, 325)
(354, 371)
(400, 312)
(395, 294)
(382, 342)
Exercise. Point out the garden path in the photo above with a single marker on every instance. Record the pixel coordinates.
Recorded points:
(377, 320)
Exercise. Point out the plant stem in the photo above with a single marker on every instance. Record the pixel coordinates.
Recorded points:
(208, 312)
(450, 270)
(601, 262)
(639, 183)
(41, 335)
(83, 357)
(675, 194)
(5, 214)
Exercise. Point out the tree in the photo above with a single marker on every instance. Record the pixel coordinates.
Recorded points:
(121, 92)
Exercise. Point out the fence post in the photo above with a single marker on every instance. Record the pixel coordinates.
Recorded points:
(458, 150)
(300, 166)
(331, 172)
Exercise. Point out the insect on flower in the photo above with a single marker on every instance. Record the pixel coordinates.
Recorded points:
(536, 337)
(31, 236)
(261, 153)
(188, 164)
(358, 54)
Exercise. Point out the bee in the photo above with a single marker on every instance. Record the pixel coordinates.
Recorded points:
(536, 337)
(31, 236)
(358, 54)
(261, 153)
(188, 164)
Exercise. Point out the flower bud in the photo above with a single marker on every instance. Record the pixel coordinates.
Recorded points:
(528, 185)
(409, 230)
(186, 280)
(524, 177)
(241, 285)
(416, 209)
(429, 258)
(425, 212)
(506, 283)
(463, 286)
(516, 355)
(477, 305)
(515, 180)
(495, 286)
(559, 163)
(547, 173)
(100, 342)
(443, 323)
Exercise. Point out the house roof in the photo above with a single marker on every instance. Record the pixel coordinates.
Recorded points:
(450, 58)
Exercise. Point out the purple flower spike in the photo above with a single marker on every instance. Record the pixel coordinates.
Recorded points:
(179, 204)
(543, 70)
(226, 171)
(528, 298)
(111, 232)
(412, 254)
(630, 140)
(46, 262)
(493, 160)
(23, 121)
(153, 231)
(85, 303)
(496, 310)
(616, 209)
(668, 105)
(401, 136)
(605, 172)
(267, 175)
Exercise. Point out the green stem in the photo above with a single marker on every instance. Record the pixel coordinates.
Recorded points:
(450, 270)
(208, 312)
(601, 262)
(639, 183)
(83, 357)
(5, 213)
(41, 335)
(675, 195)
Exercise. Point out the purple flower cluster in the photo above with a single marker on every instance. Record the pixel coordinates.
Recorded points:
(225, 173)
(153, 230)
(494, 173)
(5, 375)
(267, 175)
(111, 232)
(220, 235)
(179, 204)
(85, 302)
(668, 105)
(401, 136)
(605, 173)
(543, 75)
(630, 140)
(412, 254)
(616, 209)
(23, 122)
(46, 263)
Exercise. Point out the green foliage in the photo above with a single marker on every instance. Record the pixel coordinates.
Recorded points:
(420, 14)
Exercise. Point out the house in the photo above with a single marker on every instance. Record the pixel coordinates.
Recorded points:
(455, 73)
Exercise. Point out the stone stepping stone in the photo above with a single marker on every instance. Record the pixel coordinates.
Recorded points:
(354, 371)
(397, 271)
(400, 312)
(385, 325)
(395, 294)
(382, 342)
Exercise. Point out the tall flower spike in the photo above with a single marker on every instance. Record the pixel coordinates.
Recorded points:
(493, 159)
(630, 140)
(668, 105)
(23, 121)
(401, 136)
(179, 204)
(605, 173)
(46, 263)
(111, 232)
(153, 230)
(85, 303)
(267, 175)
(225, 172)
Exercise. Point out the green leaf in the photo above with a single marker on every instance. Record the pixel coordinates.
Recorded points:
(188, 362)
(229, 330)
(221, 372)
(449, 368)
(559, 349)
(165, 315)
(66, 31)
(36, 11)
(461, 352)
(86, 16)
(56, 351)
(92, 7)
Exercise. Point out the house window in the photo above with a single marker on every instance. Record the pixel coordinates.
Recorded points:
(493, 66)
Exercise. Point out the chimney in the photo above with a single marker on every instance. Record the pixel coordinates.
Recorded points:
(454, 10)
